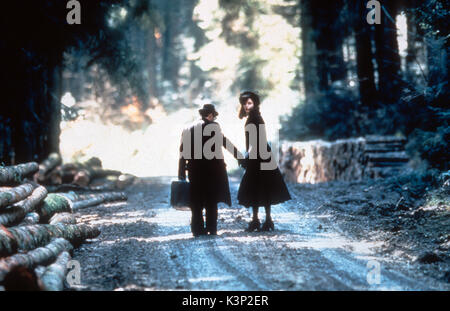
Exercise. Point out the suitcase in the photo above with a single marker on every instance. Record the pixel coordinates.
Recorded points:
(180, 196)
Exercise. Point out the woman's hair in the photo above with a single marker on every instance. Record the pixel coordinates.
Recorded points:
(243, 97)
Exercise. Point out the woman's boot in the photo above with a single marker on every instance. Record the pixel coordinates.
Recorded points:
(268, 224)
(254, 225)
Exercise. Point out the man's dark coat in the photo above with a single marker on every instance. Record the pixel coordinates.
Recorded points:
(208, 177)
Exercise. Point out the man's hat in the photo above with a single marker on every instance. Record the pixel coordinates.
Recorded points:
(207, 109)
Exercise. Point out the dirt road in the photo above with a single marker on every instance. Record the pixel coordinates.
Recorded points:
(147, 245)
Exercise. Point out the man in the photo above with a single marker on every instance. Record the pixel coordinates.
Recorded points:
(201, 155)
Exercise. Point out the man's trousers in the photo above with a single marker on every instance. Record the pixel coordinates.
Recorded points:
(198, 224)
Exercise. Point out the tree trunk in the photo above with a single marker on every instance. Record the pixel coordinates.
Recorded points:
(14, 195)
(53, 204)
(16, 213)
(53, 160)
(97, 199)
(29, 237)
(30, 219)
(411, 60)
(8, 243)
(170, 57)
(387, 56)
(39, 256)
(63, 218)
(328, 37)
(55, 274)
(309, 51)
(364, 56)
(14, 174)
(31, 116)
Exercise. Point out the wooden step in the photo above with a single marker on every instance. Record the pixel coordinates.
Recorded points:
(388, 157)
(375, 139)
(384, 148)
(385, 164)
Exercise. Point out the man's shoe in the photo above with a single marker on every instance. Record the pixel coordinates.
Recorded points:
(254, 225)
(199, 233)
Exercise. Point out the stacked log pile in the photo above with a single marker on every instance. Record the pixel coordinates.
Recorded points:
(38, 229)
(346, 160)
(321, 161)
(57, 175)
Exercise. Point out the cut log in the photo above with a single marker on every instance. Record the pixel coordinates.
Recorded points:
(108, 185)
(63, 218)
(8, 243)
(71, 195)
(39, 256)
(66, 187)
(53, 277)
(82, 178)
(67, 172)
(95, 199)
(17, 212)
(56, 176)
(67, 176)
(21, 279)
(98, 172)
(53, 203)
(76, 234)
(124, 181)
(30, 219)
(70, 166)
(53, 160)
(93, 162)
(13, 195)
(29, 237)
(24, 238)
(112, 183)
(14, 174)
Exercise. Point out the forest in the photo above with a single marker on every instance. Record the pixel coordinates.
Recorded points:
(113, 82)
(346, 77)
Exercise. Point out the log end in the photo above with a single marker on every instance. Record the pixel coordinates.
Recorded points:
(21, 279)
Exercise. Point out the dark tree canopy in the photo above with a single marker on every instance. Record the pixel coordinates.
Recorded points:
(354, 79)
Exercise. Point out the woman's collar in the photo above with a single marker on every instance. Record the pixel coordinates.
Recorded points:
(254, 112)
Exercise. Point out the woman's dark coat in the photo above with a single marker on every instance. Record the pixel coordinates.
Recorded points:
(260, 187)
(208, 178)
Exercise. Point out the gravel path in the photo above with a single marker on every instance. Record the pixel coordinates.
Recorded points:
(147, 245)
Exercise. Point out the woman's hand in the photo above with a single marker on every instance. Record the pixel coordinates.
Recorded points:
(243, 162)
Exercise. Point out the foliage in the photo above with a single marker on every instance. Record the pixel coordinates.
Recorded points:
(433, 16)
(414, 184)
(421, 113)
(429, 126)
(433, 147)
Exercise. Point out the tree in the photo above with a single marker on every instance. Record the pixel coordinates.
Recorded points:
(387, 55)
(32, 59)
(365, 69)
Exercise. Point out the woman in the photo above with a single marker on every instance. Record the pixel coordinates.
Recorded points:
(261, 185)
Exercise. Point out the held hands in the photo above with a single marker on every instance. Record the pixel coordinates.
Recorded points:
(242, 162)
